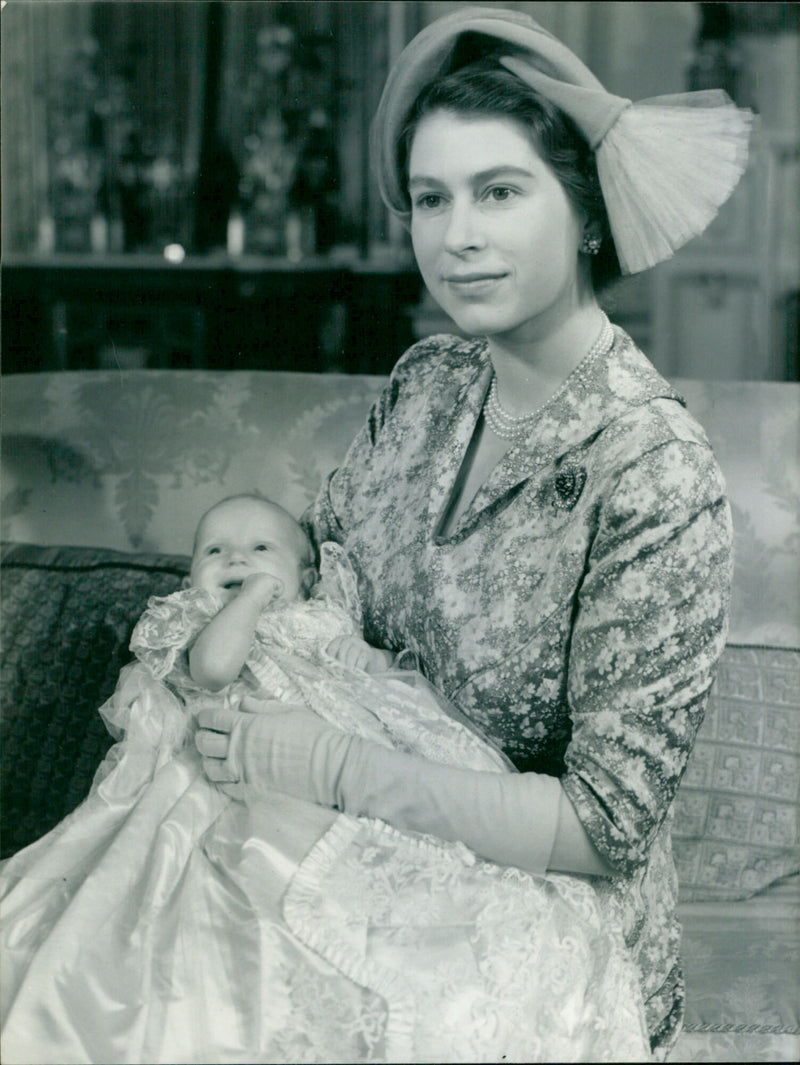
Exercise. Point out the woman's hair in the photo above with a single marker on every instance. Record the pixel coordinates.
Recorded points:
(485, 88)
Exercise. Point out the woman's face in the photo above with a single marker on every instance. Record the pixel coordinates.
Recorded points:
(494, 233)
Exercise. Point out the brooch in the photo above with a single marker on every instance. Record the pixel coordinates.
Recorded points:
(569, 484)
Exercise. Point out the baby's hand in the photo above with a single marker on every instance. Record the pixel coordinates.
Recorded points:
(261, 587)
(356, 653)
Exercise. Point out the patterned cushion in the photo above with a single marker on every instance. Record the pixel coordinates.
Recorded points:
(66, 622)
(736, 817)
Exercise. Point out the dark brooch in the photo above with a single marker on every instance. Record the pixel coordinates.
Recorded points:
(569, 485)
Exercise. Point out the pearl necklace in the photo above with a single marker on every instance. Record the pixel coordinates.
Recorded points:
(515, 428)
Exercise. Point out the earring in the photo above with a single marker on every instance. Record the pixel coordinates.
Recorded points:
(591, 245)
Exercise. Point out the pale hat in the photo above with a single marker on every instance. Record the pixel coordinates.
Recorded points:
(665, 165)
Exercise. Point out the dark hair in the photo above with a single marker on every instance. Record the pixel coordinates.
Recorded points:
(484, 87)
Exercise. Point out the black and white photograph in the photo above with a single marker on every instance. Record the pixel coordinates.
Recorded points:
(399, 532)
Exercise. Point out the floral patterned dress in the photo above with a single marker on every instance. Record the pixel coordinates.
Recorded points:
(577, 609)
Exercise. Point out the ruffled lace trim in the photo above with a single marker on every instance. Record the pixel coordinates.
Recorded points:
(168, 627)
(534, 969)
(338, 582)
(301, 911)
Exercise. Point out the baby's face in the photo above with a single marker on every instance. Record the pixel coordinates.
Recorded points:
(242, 537)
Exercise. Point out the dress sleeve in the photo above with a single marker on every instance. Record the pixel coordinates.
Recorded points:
(338, 582)
(325, 518)
(649, 630)
(168, 627)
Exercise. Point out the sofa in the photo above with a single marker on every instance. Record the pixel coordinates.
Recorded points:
(104, 474)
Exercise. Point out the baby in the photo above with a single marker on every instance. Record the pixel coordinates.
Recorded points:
(256, 617)
(165, 921)
(251, 554)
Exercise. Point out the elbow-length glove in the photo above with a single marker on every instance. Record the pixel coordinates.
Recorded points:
(504, 817)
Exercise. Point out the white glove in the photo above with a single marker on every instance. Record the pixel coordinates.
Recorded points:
(279, 748)
(506, 817)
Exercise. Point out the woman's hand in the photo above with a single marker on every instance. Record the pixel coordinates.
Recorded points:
(271, 746)
(356, 653)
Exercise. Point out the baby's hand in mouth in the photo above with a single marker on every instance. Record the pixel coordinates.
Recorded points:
(260, 586)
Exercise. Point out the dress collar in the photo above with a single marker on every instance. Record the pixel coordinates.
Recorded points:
(595, 394)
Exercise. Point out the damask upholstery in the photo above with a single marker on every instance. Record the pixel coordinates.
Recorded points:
(741, 962)
(104, 475)
(180, 441)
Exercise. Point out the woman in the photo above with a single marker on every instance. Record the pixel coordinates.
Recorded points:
(532, 511)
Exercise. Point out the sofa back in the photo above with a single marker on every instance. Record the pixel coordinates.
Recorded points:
(129, 460)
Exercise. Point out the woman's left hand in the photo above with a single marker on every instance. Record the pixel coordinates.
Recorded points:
(271, 746)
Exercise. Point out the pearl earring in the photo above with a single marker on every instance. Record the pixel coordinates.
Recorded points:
(591, 245)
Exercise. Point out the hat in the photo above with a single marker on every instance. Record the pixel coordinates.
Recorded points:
(666, 165)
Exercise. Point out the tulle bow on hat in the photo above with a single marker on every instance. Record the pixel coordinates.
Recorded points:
(666, 165)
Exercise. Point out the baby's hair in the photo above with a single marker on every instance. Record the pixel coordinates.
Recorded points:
(304, 546)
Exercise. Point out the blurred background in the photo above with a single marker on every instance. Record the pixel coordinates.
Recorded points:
(186, 184)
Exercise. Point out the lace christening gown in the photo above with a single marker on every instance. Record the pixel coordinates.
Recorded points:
(163, 921)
